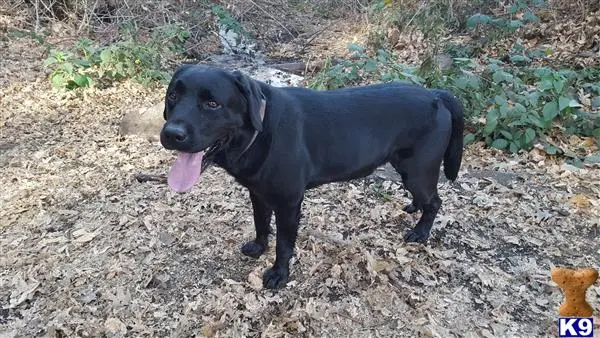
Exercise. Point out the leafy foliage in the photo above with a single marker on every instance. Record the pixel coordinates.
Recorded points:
(511, 104)
(519, 13)
(507, 106)
(361, 68)
(88, 63)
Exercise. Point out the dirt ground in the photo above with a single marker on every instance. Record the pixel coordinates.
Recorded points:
(87, 250)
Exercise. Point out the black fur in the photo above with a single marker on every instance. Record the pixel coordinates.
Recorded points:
(309, 138)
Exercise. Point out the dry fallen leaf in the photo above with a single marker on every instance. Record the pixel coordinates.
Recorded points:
(114, 326)
(83, 236)
(255, 278)
(25, 292)
(208, 331)
(580, 201)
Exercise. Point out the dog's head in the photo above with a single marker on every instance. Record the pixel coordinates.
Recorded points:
(205, 108)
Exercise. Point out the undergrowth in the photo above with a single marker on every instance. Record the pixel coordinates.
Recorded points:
(510, 103)
(142, 60)
(509, 107)
(88, 64)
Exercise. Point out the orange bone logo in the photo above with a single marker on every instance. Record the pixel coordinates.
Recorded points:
(574, 284)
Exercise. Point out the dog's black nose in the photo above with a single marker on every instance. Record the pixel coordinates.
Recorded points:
(175, 133)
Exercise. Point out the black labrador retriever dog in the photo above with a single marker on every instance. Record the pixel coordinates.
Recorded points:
(279, 142)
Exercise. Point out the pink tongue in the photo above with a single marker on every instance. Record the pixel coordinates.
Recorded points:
(185, 172)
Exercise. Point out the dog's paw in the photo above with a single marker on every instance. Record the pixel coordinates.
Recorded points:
(410, 209)
(274, 278)
(416, 236)
(253, 249)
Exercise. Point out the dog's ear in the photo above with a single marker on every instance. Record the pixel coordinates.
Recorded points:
(253, 95)
(176, 74)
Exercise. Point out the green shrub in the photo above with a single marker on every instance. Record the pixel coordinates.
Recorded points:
(140, 61)
(361, 68)
(509, 107)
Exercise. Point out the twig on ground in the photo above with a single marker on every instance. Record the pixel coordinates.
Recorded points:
(140, 177)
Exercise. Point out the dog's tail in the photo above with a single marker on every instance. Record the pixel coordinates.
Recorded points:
(454, 151)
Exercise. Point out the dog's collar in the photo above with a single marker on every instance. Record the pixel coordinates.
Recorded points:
(263, 106)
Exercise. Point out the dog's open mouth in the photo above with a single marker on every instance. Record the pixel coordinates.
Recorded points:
(187, 168)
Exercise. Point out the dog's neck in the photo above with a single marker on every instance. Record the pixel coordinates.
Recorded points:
(263, 106)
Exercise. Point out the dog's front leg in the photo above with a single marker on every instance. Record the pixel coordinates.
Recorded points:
(287, 218)
(262, 224)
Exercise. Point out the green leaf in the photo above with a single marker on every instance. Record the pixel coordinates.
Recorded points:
(563, 102)
(382, 55)
(478, 19)
(513, 147)
(519, 59)
(490, 126)
(575, 161)
(105, 55)
(545, 84)
(469, 138)
(461, 82)
(518, 123)
(592, 159)
(499, 143)
(474, 82)
(506, 134)
(503, 110)
(498, 76)
(386, 77)
(574, 104)
(49, 61)
(533, 98)
(82, 80)
(519, 110)
(67, 67)
(530, 16)
(82, 63)
(491, 122)
(371, 66)
(355, 48)
(559, 85)
(550, 110)
(16, 33)
(57, 80)
(529, 135)
(500, 100)
(501, 76)
(542, 72)
(515, 24)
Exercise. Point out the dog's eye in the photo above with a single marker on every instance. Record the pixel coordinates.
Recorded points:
(212, 104)
(172, 96)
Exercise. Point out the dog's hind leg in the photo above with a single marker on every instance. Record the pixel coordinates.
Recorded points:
(398, 164)
(262, 225)
(420, 233)
(421, 181)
